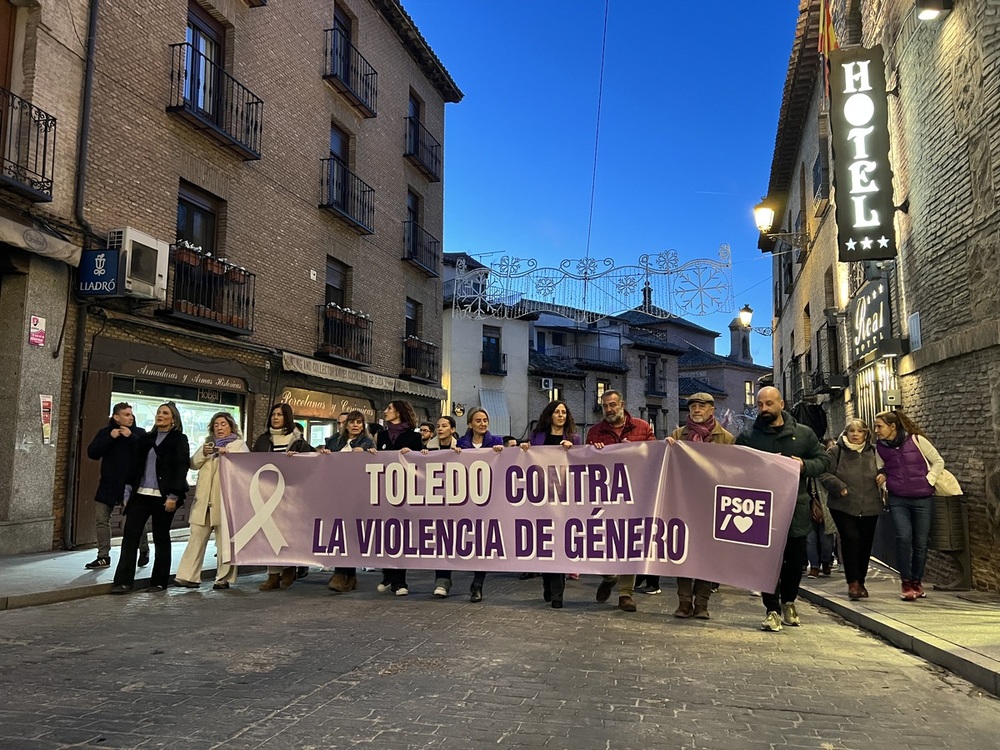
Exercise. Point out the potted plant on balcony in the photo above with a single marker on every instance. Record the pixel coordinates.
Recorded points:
(214, 266)
(236, 275)
(187, 255)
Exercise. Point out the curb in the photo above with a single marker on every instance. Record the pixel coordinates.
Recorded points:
(967, 664)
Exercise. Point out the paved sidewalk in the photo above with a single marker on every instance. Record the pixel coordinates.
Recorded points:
(959, 631)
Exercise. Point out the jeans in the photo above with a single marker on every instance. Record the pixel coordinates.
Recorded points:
(790, 577)
(626, 584)
(102, 520)
(912, 517)
(819, 545)
(857, 534)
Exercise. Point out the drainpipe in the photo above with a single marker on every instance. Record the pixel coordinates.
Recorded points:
(76, 397)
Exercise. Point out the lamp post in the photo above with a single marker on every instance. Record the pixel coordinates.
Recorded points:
(931, 10)
(746, 316)
(763, 216)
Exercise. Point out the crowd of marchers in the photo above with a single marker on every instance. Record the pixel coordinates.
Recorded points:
(863, 474)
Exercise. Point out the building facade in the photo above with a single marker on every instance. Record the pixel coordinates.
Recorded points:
(918, 328)
(265, 182)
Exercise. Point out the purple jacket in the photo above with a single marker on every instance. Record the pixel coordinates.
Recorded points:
(905, 469)
(488, 440)
(538, 438)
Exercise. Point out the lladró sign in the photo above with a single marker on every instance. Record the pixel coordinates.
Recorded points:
(101, 274)
(862, 174)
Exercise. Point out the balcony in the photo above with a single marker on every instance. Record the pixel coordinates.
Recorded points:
(494, 363)
(422, 149)
(344, 334)
(209, 292)
(28, 138)
(583, 353)
(655, 389)
(421, 248)
(347, 196)
(350, 73)
(214, 102)
(421, 360)
(829, 375)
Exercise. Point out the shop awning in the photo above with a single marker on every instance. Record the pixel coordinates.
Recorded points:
(31, 236)
(495, 402)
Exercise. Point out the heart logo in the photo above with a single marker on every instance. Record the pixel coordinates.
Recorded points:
(742, 523)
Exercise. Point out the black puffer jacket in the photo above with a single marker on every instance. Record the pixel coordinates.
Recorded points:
(117, 457)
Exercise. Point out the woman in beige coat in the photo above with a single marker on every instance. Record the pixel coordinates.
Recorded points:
(206, 515)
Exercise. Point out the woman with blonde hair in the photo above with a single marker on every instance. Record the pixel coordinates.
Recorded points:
(908, 467)
(855, 502)
(478, 436)
(206, 513)
(159, 482)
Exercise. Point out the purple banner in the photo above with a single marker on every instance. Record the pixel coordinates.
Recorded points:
(714, 512)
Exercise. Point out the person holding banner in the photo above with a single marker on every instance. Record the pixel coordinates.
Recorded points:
(478, 436)
(159, 476)
(776, 431)
(700, 427)
(618, 426)
(398, 434)
(446, 438)
(282, 436)
(908, 467)
(352, 437)
(555, 426)
(206, 517)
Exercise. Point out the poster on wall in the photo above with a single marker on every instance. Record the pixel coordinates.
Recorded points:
(46, 413)
(36, 331)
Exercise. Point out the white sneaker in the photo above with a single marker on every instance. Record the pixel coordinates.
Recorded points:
(652, 592)
(383, 587)
(754, 593)
(402, 591)
(771, 623)
(788, 614)
(441, 592)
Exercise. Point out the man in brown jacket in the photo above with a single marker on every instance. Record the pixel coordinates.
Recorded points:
(700, 427)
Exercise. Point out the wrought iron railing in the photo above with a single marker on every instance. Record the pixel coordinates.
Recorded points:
(421, 359)
(348, 196)
(215, 102)
(350, 73)
(344, 334)
(587, 353)
(423, 149)
(209, 290)
(28, 140)
(494, 363)
(421, 248)
(829, 374)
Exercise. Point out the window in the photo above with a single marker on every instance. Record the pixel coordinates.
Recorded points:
(540, 342)
(651, 376)
(413, 112)
(339, 160)
(336, 282)
(492, 351)
(749, 398)
(197, 218)
(557, 389)
(341, 52)
(205, 61)
(558, 338)
(412, 325)
(602, 386)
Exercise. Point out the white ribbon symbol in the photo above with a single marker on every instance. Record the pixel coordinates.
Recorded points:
(262, 513)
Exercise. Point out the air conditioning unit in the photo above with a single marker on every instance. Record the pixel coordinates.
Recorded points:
(145, 260)
(546, 384)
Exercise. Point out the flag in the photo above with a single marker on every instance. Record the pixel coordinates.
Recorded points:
(827, 36)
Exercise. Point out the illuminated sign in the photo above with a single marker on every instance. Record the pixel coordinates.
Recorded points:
(101, 274)
(870, 320)
(862, 173)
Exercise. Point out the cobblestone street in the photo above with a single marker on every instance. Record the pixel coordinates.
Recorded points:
(305, 668)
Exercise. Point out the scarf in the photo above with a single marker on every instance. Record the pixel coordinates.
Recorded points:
(280, 438)
(897, 441)
(395, 430)
(700, 433)
(856, 448)
(223, 442)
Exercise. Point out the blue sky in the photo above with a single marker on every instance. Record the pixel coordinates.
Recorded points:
(690, 105)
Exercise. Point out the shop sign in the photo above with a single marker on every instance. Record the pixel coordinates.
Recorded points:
(180, 376)
(320, 405)
(101, 274)
(862, 175)
(871, 323)
(329, 371)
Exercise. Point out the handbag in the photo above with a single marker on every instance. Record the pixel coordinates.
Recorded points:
(946, 485)
(815, 503)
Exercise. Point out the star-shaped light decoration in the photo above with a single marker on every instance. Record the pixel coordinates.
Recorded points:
(883, 241)
(850, 245)
(866, 243)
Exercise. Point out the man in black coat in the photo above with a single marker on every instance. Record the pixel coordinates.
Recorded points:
(114, 447)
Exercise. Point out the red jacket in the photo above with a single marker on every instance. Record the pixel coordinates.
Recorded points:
(634, 431)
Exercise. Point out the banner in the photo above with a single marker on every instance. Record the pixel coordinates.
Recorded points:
(714, 512)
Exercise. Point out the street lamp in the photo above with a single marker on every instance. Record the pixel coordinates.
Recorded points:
(930, 10)
(764, 218)
(746, 315)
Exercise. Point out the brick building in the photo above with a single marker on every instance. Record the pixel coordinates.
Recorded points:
(278, 167)
(919, 328)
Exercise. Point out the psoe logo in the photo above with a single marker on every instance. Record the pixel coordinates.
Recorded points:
(743, 515)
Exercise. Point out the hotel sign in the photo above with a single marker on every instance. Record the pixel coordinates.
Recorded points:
(870, 320)
(862, 175)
